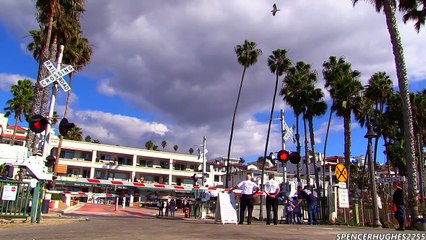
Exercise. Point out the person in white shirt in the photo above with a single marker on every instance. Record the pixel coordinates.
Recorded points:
(272, 189)
(249, 188)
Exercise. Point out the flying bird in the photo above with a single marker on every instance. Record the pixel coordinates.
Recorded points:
(274, 9)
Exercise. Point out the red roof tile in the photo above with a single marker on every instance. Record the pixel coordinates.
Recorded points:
(16, 136)
(19, 128)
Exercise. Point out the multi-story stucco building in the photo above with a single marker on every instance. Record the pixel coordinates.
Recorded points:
(79, 159)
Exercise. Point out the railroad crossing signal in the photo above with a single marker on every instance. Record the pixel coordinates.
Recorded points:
(341, 173)
(287, 131)
(56, 75)
(38, 123)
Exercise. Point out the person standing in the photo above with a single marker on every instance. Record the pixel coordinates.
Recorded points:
(172, 207)
(160, 208)
(399, 208)
(296, 212)
(289, 207)
(307, 195)
(249, 189)
(272, 189)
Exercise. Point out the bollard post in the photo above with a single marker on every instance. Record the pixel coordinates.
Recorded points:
(116, 204)
(356, 213)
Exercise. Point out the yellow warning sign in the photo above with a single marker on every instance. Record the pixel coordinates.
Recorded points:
(341, 173)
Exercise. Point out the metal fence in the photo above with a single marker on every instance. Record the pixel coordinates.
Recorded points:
(14, 198)
(19, 200)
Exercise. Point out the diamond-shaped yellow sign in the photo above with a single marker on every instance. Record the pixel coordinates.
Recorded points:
(341, 173)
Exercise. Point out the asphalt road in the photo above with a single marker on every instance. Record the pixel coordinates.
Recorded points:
(150, 227)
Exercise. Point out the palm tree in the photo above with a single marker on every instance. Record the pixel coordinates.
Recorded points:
(77, 53)
(379, 90)
(278, 63)
(58, 20)
(191, 151)
(46, 10)
(75, 133)
(149, 145)
(175, 147)
(414, 10)
(88, 138)
(20, 104)
(247, 55)
(297, 77)
(389, 9)
(419, 104)
(316, 106)
(345, 89)
(164, 144)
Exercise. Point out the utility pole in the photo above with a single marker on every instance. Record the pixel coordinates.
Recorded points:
(204, 159)
(47, 137)
(283, 128)
(370, 135)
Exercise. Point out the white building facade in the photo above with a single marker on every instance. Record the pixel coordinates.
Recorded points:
(79, 159)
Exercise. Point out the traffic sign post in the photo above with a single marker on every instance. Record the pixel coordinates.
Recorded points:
(56, 76)
(341, 173)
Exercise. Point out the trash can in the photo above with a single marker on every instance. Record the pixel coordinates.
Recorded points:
(45, 206)
(52, 204)
(186, 210)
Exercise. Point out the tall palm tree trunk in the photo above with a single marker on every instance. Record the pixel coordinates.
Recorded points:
(271, 115)
(306, 151)
(32, 139)
(12, 141)
(298, 149)
(61, 138)
(325, 150)
(401, 73)
(314, 159)
(348, 143)
(232, 127)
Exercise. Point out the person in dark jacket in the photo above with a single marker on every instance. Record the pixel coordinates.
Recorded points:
(398, 203)
(309, 197)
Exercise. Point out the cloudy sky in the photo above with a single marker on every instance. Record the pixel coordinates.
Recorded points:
(166, 70)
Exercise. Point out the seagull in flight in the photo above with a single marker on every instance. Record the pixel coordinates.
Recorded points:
(274, 9)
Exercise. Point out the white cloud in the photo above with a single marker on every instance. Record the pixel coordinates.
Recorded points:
(175, 60)
(115, 128)
(7, 80)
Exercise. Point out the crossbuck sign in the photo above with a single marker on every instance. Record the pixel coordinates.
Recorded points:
(287, 132)
(56, 75)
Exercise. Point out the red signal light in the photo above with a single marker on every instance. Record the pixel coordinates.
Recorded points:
(295, 157)
(65, 126)
(38, 123)
(283, 155)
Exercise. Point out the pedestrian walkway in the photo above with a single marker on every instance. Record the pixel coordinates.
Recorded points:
(109, 210)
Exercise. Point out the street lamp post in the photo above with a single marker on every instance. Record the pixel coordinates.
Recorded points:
(370, 135)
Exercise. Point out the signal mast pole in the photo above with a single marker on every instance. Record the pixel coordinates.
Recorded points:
(47, 136)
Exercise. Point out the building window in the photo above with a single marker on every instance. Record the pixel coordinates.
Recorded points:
(217, 178)
(164, 164)
(148, 179)
(100, 175)
(124, 161)
(106, 157)
(67, 154)
(142, 163)
(179, 166)
(87, 156)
